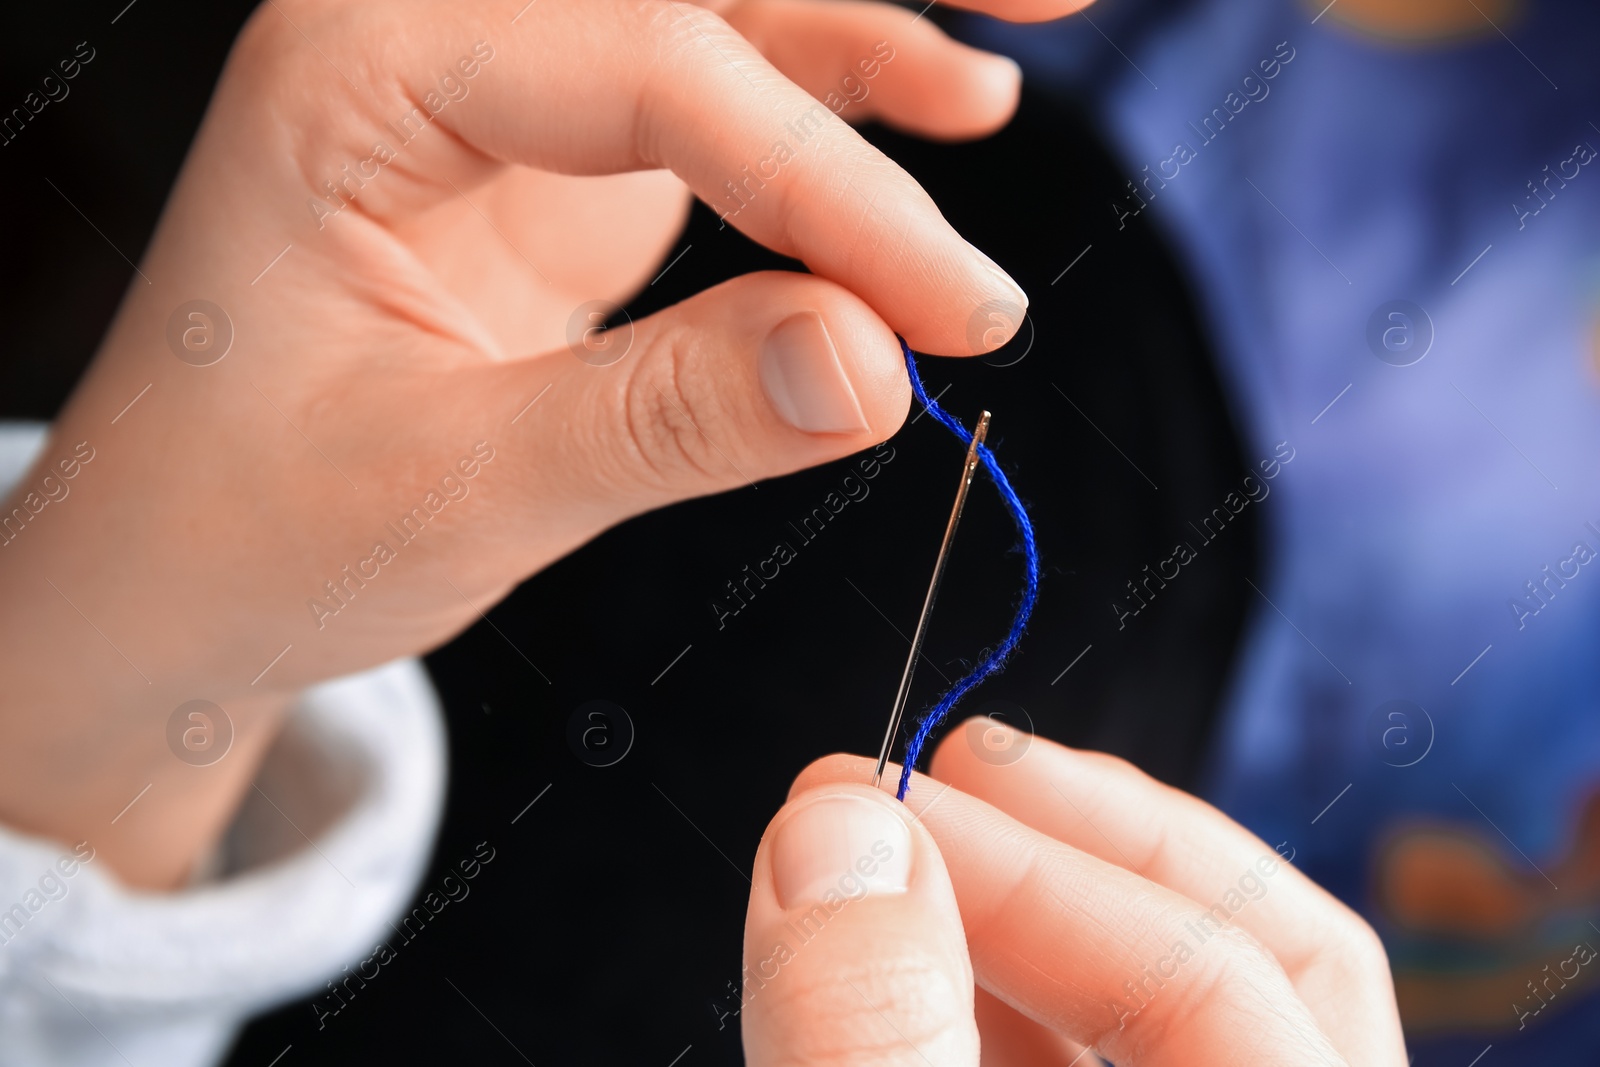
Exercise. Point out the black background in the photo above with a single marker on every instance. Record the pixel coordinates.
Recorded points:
(608, 925)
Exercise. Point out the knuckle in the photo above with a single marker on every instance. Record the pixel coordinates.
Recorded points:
(273, 80)
(685, 36)
(269, 41)
(1339, 946)
(686, 21)
(665, 421)
(1231, 960)
(1361, 949)
(1239, 949)
(291, 52)
(888, 1012)
(1117, 766)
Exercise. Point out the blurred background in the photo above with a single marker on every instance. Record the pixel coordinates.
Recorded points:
(1232, 272)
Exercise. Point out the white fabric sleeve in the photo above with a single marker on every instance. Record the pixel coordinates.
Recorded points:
(327, 848)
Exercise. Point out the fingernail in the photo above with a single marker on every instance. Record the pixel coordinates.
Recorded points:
(846, 846)
(994, 268)
(1007, 72)
(803, 378)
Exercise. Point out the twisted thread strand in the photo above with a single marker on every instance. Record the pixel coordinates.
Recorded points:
(995, 660)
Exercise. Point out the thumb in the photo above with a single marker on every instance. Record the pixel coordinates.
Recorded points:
(854, 953)
(760, 376)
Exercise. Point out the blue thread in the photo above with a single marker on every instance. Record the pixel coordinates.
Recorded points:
(994, 661)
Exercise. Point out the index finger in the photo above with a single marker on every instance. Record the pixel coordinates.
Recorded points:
(1140, 972)
(1110, 809)
(786, 171)
(602, 86)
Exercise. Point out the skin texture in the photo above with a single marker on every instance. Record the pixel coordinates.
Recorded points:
(405, 335)
(1049, 883)
(422, 300)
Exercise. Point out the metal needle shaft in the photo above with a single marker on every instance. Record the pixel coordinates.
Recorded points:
(900, 698)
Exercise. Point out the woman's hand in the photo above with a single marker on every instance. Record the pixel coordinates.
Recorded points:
(395, 403)
(1093, 907)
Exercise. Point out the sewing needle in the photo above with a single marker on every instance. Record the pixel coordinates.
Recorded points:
(967, 470)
